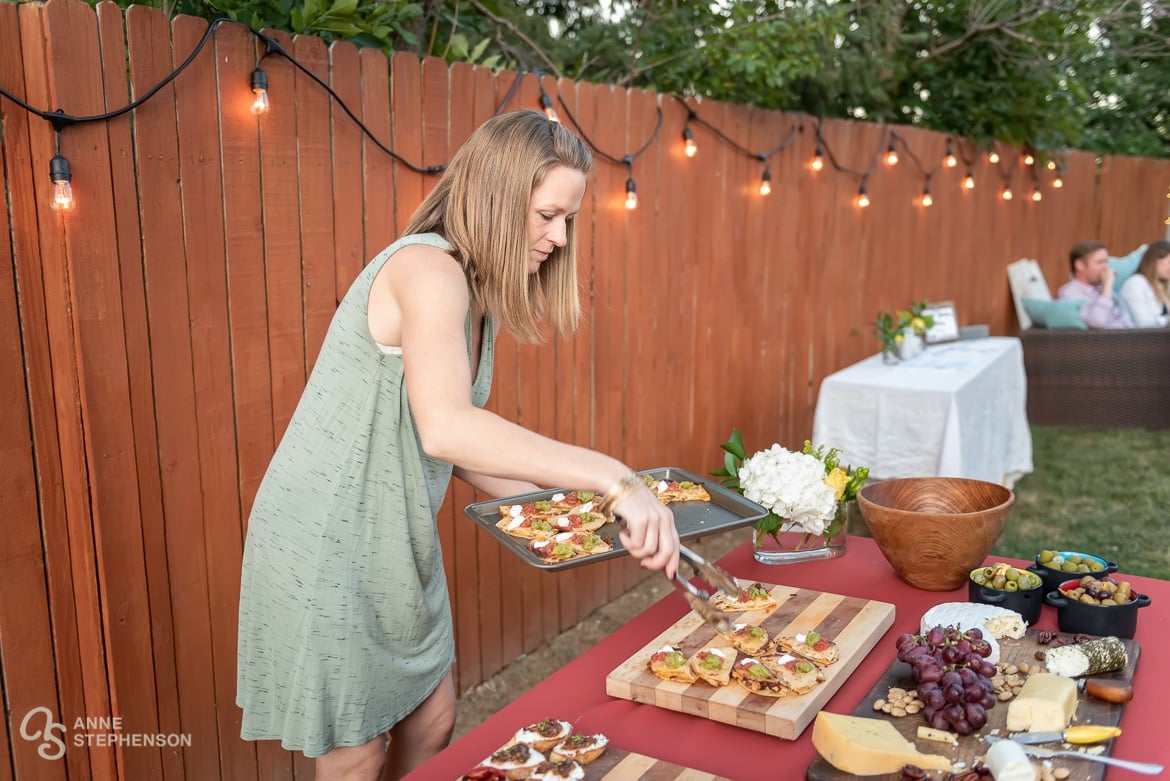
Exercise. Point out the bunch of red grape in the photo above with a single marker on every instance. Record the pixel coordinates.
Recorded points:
(953, 676)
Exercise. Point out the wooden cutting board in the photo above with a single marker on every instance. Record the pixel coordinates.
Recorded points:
(855, 624)
(1090, 710)
(617, 764)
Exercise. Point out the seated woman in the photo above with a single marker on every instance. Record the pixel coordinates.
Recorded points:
(1146, 294)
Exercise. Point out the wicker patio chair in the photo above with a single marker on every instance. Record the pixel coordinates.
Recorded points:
(1097, 378)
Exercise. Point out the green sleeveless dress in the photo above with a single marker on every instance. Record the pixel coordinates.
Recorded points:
(345, 622)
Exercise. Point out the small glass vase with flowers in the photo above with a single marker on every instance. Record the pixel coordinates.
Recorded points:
(903, 334)
(807, 494)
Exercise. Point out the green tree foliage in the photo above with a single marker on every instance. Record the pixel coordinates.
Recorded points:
(1091, 74)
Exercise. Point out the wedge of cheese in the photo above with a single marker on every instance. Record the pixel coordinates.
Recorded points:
(1046, 703)
(868, 747)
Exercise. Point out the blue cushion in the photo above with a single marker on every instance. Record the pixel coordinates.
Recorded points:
(1126, 265)
(1061, 313)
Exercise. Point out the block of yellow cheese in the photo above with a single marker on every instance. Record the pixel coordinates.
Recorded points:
(1046, 703)
(868, 747)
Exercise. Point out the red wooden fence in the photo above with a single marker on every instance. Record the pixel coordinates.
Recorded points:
(155, 340)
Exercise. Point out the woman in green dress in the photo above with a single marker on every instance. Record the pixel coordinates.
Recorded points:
(345, 639)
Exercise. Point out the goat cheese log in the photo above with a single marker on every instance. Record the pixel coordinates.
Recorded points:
(1092, 658)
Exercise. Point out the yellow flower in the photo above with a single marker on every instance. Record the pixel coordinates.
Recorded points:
(899, 338)
(837, 480)
(918, 324)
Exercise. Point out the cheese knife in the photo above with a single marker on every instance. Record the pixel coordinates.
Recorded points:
(1082, 734)
(1147, 768)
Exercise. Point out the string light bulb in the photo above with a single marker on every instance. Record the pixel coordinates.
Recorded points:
(1007, 193)
(1051, 165)
(969, 181)
(950, 161)
(992, 156)
(818, 161)
(546, 105)
(766, 182)
(927, 199)
(259, 92)
(862, 196)
(1029, 158)
(689, 142)
(61, 177)
(631, 194)
(891, 155)
(1036, 194)
(1057, 181)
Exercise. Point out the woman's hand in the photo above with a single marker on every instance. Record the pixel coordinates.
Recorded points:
(649, 535)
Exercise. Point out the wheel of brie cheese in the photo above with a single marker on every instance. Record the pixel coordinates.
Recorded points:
(993, 620)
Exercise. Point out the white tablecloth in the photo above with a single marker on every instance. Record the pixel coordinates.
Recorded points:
(956, 410)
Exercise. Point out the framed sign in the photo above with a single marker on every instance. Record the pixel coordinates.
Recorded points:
(946, 322)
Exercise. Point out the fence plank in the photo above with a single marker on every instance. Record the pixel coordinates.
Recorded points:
(25, 636)
(74, 614)
(176, 406)
(491, 583)
(282, 259)
(348, 181)
(129, 253)
(90, 273)
(459, 555)
(406, 129)
(315, 187)
(200, 169)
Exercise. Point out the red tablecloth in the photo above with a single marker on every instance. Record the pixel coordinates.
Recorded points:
(577, 691)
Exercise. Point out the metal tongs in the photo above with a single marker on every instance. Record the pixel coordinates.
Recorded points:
(700, 599)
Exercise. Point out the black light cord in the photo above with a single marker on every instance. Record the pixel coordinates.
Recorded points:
(276, 48)
(59, 119)
(511, 91)
(862, 175)
(896, 138)
(761, 156)
(629, 159)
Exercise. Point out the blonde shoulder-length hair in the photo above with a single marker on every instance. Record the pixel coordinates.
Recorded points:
(1149, 269)
(480, 205)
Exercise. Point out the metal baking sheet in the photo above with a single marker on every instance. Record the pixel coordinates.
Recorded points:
(726, 510)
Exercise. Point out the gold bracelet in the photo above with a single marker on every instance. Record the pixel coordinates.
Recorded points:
(617, 492)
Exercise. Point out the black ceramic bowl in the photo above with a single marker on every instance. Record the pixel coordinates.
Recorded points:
(1074, 616)
(1053, 576)
(1027, 603)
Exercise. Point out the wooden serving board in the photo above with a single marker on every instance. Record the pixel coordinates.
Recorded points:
(1090, 710)
(853, 623)
(617, 764)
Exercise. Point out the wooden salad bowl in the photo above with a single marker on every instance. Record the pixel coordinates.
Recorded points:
(935, 530)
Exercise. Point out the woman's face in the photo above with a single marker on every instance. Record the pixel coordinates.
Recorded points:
(554, 202)
(1162, 268)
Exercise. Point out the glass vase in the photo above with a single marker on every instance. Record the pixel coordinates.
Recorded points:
(794, 545)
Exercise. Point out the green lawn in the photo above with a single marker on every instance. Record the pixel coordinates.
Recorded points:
(1100, 491)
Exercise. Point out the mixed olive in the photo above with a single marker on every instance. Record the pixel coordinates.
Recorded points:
(1105, 591)
(1005, 577)
(1069, 562)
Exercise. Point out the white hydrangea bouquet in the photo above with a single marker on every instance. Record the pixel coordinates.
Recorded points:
(804, 492)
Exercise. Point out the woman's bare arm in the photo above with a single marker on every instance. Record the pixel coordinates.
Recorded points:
(430, 291)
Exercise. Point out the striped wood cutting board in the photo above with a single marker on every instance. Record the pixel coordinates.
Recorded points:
(855, 624)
